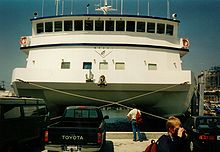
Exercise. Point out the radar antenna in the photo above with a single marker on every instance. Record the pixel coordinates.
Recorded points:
(105, 8)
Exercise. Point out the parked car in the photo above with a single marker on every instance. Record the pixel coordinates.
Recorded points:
(82, 128)
(204, 133)
(22, 120)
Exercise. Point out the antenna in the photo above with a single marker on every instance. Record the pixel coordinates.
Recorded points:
(148, 8)
(168, 9)
(42, 11)
(71, 12)
(87, 8)
(57, 7)
(137, 7)
(62, 7)
(121, 7)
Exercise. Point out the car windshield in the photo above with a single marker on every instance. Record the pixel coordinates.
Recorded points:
(213, 122)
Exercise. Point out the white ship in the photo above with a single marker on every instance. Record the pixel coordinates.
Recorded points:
(95, 59)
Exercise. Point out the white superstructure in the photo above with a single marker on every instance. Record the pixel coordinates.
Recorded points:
(99, 59)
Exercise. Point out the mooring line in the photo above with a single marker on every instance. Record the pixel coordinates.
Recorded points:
(141, 95)
(66, 93)
(105, 101)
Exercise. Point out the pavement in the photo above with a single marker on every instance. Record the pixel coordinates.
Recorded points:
(123, 141)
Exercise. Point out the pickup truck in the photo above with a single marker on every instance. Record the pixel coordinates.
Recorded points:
(81, 128)
(22, 122)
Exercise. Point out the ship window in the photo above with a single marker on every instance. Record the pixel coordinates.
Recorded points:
(152, 66)
(99, 25)
(169, 29)
(130, 26)
(109, 25)
(103, 65)
(48, 27)
(160, 28)
(68, 25)
(140, 26)
(40, 28)
(58, 26)
(119, 66)
(150, 27)
(78, 25)
(65, 65)
(120, 25)
(87, 65)
(88, 25)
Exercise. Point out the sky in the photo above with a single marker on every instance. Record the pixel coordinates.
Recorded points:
(199, 22)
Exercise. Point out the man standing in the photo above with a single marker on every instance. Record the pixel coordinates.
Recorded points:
(135, 127)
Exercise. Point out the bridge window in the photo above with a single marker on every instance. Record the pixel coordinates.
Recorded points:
(40, 28)
(87, 65)
(130, 26)
(78, 25)
(48, 27)
(109, 25)
(65, 65)
(150, 27)
(169, 29)
(140, 26)
(68, 25)
(99, 25)
(160, 28)
(88, 25)
(119, 66)
(120, 25)
(58, 26)
(103, 65)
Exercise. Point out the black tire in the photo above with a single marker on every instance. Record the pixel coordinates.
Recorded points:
(194, 147)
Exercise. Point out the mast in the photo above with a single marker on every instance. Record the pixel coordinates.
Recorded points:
(105, 8)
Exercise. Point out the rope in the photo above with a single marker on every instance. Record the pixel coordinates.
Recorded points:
(66, 93)
(106, 101)
(138, 96)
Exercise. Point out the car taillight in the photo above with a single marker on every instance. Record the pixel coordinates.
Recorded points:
(207, 137)
(46, 136)
(99, 137)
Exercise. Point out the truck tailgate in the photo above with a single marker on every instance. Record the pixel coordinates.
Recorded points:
(72, 136)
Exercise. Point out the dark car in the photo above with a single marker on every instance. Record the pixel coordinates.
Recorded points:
(204, 133)
(22, 120)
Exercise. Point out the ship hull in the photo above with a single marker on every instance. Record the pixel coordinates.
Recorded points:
(157, 99)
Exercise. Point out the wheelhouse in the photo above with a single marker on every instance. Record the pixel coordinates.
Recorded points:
(142, 25)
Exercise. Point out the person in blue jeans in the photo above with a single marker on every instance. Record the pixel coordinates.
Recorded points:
(135, 127)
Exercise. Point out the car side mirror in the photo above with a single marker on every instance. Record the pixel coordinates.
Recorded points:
(106, 117)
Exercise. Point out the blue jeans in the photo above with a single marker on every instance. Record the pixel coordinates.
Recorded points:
(136, 128)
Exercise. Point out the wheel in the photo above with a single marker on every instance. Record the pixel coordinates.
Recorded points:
(194, 147)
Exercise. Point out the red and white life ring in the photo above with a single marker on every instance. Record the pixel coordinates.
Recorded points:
(185, 43)
(24, 40)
